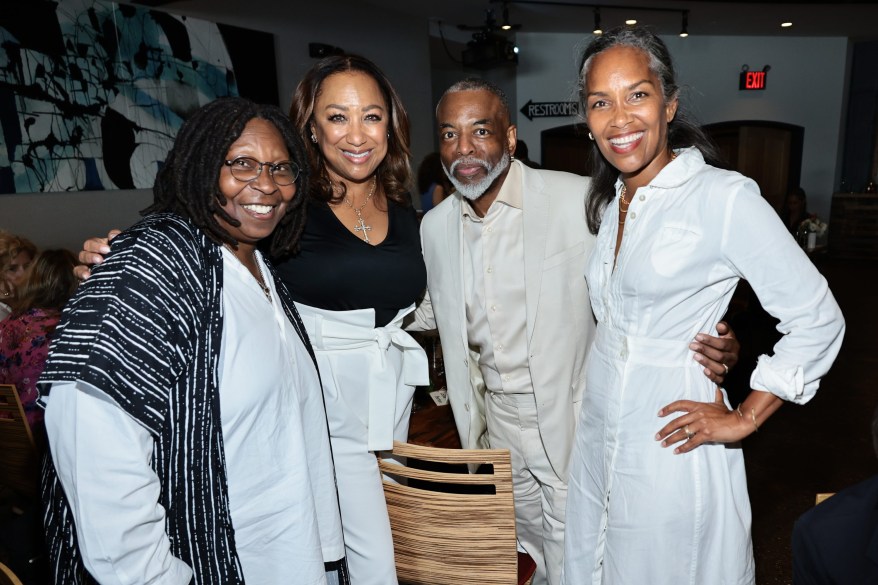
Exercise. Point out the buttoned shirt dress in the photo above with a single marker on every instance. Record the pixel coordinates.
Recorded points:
(636, 512)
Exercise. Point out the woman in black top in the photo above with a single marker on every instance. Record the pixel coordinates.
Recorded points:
(358, 272)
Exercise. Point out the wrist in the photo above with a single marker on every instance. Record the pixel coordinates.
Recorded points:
(748, 418)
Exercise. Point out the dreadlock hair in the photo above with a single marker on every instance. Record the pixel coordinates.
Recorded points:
(393, 173)
(682, 132)
(188, 183)
(49, 283)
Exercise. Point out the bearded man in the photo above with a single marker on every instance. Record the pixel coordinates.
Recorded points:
(505, 258)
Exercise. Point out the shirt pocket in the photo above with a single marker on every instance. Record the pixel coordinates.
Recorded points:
(673, 250)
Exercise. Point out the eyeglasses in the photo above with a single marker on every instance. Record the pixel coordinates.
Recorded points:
(246, 169)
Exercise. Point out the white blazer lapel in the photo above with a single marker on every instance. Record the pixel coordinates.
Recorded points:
(536, 218)
(454, 241)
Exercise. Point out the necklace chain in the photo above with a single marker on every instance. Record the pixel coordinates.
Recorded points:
(266, 290)
(623, 211)
(361, 223)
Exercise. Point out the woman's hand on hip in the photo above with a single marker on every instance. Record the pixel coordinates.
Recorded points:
(702, 422)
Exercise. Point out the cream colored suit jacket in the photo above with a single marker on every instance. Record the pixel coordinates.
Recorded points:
(560, 325)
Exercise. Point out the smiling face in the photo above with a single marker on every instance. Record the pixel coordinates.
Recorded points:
(258, 204)
(475, 142)
(627, 113)
(350, 123)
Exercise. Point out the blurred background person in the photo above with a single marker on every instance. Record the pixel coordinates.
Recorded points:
(25, 334)
(16, 254)
(433, 183)
(522, 154)
(836, 542)
(795, 209)
(185, 417)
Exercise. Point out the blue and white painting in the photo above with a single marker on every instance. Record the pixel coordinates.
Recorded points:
(92, 93)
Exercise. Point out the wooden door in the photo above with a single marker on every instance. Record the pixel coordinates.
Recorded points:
(770, 153)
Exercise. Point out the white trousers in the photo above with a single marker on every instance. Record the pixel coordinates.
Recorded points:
(540, 495)
(369, 377)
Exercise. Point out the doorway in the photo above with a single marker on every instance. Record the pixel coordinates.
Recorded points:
(770, 153)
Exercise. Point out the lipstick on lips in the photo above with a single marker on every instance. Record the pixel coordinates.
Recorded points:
(626, 143)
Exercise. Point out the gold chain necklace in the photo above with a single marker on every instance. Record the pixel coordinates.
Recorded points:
(266, 290)
(623, 211)
(361, 224)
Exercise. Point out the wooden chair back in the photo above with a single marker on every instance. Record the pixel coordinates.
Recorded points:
(7, 577)
(444, 538)
(19, 458)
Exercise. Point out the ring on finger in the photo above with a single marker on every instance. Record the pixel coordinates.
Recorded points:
(688, 434)
(726, 368)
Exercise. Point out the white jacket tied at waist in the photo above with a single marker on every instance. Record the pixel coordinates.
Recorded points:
(334, 331)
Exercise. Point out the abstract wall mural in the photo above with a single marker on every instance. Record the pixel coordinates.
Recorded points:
(92, 93)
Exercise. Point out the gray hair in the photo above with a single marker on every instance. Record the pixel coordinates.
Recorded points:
(660, 63)
(478, 84)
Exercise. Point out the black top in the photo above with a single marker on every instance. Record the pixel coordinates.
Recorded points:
(338, 271)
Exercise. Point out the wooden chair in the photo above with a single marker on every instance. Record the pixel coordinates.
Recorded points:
(443, 538)
(823, 496)
(19, 456)
(7, 577)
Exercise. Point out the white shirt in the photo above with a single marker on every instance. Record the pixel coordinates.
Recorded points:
(278, 474)
(493, 276)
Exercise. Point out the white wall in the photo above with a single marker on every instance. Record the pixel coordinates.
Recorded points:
(806, 87)
(397, 43)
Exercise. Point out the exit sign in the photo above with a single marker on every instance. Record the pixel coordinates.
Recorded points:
(752, 80)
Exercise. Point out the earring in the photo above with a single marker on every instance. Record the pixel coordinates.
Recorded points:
(511, 157)
(313, 138)
(590, 137)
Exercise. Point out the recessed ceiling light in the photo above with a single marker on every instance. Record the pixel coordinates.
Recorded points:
(631, 21)
(786, 24)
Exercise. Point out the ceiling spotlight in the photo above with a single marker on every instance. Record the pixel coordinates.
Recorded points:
(506, 25)
(597, 22)
(684, 32)
(631, 21)
(786, 24)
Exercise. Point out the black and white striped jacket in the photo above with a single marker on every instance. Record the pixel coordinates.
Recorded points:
(146, 329)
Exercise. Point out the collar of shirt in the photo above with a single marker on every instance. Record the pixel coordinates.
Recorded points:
(688, 162)
(511, 194)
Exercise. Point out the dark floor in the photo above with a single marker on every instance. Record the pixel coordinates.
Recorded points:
(824, 445)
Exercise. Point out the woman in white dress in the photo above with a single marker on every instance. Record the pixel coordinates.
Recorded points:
(658, 491)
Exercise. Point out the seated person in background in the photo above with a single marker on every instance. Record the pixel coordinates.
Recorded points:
(433, 184)
(795, 209)
(836, 542)
(16, 254)
(521, 153)
(25, 334)
(186, 424)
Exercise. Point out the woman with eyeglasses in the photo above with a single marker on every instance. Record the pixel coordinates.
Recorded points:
(188, 435)
(357, 274)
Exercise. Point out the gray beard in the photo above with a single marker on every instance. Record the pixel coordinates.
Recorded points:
(473, 191)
